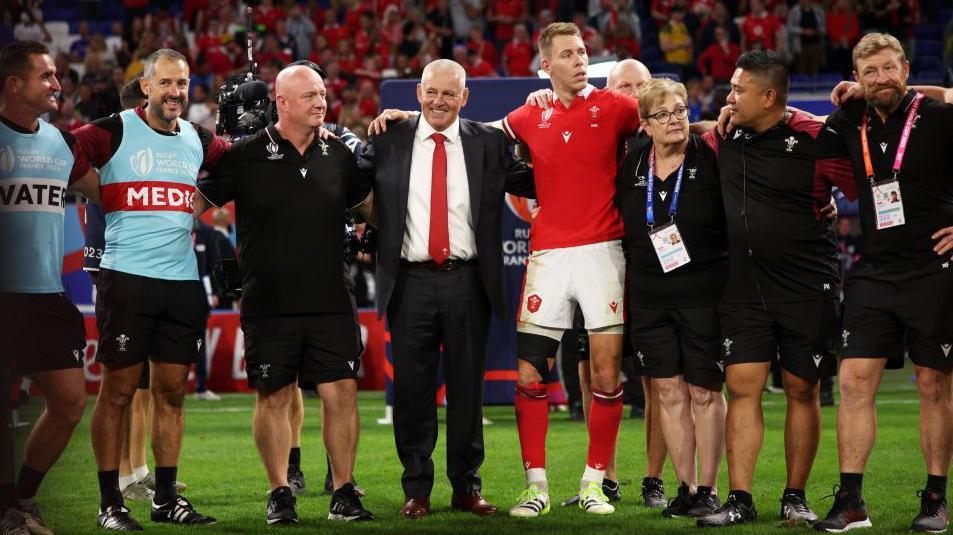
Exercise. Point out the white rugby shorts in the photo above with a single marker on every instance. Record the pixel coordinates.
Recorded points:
(556, 280)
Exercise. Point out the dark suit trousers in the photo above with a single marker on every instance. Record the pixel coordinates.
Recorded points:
(427, 309)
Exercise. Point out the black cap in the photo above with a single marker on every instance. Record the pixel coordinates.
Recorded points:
(312, 65)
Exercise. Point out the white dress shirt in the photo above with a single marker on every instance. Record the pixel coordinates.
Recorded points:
(417, 226)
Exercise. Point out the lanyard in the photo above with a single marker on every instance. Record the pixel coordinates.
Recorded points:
(901, 148)
(650, 190)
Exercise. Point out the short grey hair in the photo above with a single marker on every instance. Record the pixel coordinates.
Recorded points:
(149, 65)
(447, 66)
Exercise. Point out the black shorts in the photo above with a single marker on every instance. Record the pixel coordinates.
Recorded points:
(309, 349)
(801, 334)
(678, 341)
(41, 333)
(141, 318)
(886, 319)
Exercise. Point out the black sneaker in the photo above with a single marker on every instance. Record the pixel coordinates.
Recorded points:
(346, 505)
(827, 398)
(612, 490)
(704, 504)
(179, 511)
(680, 504)
(281, 507)
(934, 516)
(653, 493)
(116, 518)
(795, 511)
(729, 514)
(846, 514)
(296, 480)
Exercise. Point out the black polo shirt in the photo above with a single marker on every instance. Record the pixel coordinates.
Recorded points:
(700, 218)
(774, 183)
(926, 182)
(289, 216)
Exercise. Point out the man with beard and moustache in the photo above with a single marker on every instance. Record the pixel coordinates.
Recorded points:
(42, 330)
(899, 298)
(151, 304)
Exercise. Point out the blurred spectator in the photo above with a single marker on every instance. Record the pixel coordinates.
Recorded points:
(596, 47)
(623, 43)
(477, 67)
(333, 30)
(518, 53)
(301, 29)
(848, 246)
(761, 30)
(368, 102)
(164, 26)
(63, 68)
(719, 59)
(199, 110)
(271, 50)
(31, 27)
(98, 48)
(392, 27)
(885, 16)
(77, 50)
(618, 14)
(369, 72)
(696, 105)
(843, 31)
(266, 14)
(582, 22)
(675, 41)
(466, 13)
(201, 76)
(659, 11)
(481, 46)
(440, 25)
(503, 15)
(807, 28)
(286, 42)
(718, 18)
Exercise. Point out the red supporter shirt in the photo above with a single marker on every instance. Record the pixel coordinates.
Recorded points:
(575, 153)
(518, 56)
(761, 29)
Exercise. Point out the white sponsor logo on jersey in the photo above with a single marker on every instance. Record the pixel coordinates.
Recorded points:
(141, 162)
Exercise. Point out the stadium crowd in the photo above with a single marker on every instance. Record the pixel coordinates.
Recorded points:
(760, 287)
(363, 42)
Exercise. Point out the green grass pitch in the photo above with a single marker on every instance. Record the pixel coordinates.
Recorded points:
(226, 480)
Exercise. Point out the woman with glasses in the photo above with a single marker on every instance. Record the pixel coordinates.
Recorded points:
(669, 194)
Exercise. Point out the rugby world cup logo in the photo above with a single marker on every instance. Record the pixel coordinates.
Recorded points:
(8, 160)
(141, 162)
(521, 207)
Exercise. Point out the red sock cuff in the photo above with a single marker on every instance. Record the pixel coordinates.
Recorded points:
(533, 391)
(607, 399)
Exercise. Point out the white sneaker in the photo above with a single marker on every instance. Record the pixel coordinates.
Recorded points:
(208, 395)
(593, 500)
(532, 503)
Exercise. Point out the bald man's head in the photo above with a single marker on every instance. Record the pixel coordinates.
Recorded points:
(627, 77)
(300, 97)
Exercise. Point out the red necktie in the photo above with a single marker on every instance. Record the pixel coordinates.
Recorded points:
(439, 217)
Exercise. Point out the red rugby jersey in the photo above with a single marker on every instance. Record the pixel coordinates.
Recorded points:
(576, 152)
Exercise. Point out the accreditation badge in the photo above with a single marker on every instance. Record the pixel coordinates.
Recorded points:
(888, 204)
(669, 247)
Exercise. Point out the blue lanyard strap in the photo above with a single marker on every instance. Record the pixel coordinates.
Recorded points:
(650, 191)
